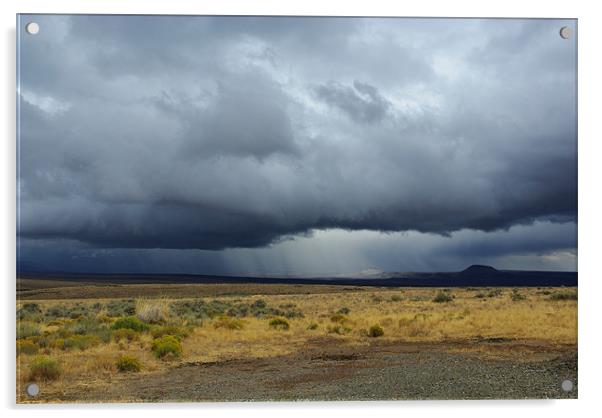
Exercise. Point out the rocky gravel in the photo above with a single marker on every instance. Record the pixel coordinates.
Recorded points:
(334, 372)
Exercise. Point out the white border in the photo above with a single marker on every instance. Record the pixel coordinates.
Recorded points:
(590, 290)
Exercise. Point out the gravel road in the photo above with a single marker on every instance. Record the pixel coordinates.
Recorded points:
(333, 372)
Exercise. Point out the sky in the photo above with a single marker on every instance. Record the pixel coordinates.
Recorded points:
(297, 146)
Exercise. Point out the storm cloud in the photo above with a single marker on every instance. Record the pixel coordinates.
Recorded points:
(218, 133)
(362, 102)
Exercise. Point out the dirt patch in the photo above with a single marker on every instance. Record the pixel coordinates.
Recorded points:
(383, 370)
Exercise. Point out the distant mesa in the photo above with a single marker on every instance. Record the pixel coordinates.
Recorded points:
(477, 269)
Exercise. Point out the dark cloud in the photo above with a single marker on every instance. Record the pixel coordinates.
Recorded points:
(247, 117)
(362, 102)
(542, 245)
(218, 133)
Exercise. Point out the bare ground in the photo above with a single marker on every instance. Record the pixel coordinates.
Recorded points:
(325, 370)
(29, 289)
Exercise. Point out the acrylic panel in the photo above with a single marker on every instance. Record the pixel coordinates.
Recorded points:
(246, 208)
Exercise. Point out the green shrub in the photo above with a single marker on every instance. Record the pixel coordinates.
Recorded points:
(29, 311)
(117, 308)
(279, 323)
(259, 304)
(44, 368)
(78, 311)
(45, 341)
(187, 308)
(564, 296)
(239, 310)
(442, 297)
(339, 318)
(125, 334)
(128, 364)
(377, 299)
(229, 323)
(81, 342)
(104, 334)
(167, 344)
(294, 314)
(517, 296)
(27, 329)
(199, 309)
(178, 332)
(85, 325)
(215, 308)
(258, 309)
(376, 331)
(130, 322)
(26, 347)
(338, 329)
(65, 332)
(494, 293)
(57, 311)
(61, 311)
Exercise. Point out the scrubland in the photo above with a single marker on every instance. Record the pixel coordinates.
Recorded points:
(64, 343)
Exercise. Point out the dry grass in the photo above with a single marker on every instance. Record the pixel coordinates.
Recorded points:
(409, 315)
(420, 320)
(152, 311)
(34, 289)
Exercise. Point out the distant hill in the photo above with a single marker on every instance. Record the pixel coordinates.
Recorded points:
(473, 276)
(478, 269)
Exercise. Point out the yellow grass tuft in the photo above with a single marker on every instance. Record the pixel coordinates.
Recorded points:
(152, 310)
